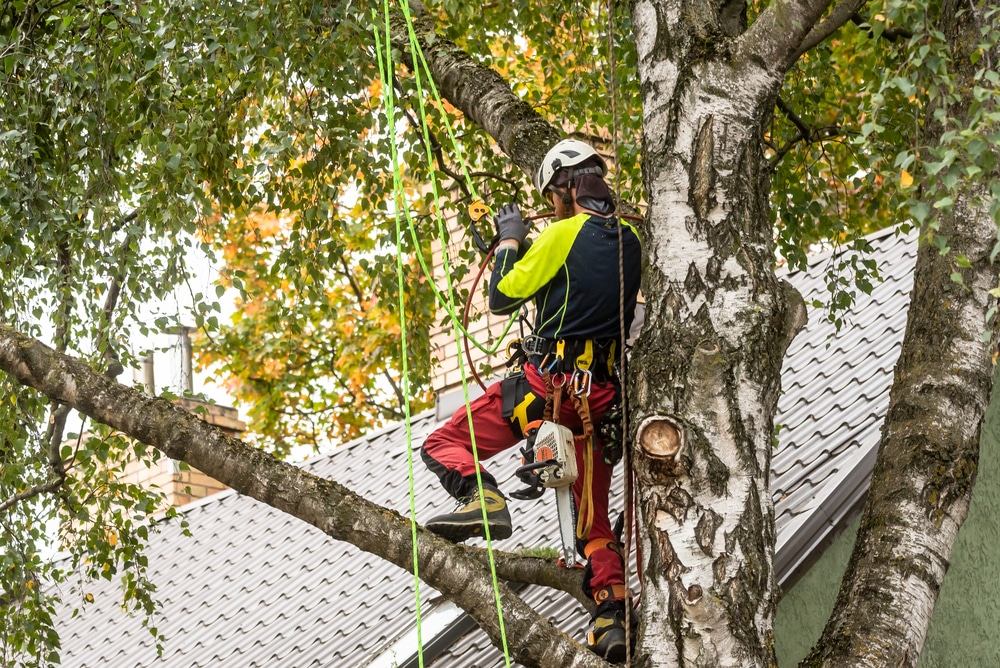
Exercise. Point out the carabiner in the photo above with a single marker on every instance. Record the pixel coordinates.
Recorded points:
(582, 381)
(476, 211)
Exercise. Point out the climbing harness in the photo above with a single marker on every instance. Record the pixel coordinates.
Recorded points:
(543, 464)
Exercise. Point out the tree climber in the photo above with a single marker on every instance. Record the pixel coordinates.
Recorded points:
(572, 274)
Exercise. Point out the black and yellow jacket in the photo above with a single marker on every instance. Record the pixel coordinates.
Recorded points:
(571, 273)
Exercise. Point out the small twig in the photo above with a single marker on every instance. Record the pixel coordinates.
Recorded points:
(355, 288)
(805, 133)
(44, 488)
(891, 34)
(393, 412)
(346, 271)
(121, 222)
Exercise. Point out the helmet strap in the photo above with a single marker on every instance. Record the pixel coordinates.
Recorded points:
(564, 195)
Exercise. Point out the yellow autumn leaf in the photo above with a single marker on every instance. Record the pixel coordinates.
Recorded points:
(905, 179)
(90, 598)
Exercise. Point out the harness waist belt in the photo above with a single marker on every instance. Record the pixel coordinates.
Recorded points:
(565, 355)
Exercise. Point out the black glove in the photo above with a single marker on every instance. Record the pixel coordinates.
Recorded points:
(509, 224)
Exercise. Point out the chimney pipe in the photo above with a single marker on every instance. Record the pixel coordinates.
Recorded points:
(147, 374)
(187, 375)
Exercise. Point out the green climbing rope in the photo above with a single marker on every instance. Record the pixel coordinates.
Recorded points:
(402, 206)
(405, 364)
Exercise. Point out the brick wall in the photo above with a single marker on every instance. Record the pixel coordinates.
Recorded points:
(446, 354)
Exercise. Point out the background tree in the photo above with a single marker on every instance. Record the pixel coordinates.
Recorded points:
(133, 135)
(929, 452)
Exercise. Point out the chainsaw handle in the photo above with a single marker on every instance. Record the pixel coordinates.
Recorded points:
(534, 466)
(528, 493)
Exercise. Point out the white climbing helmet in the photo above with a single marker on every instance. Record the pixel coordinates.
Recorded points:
(567, 154)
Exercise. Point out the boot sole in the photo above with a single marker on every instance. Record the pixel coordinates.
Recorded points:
(615, 654)
(459, 531)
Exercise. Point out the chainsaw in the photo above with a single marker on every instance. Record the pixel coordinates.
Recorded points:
(549, 460)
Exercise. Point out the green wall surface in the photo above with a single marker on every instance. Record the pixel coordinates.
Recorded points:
(965, 630)
(804, 609)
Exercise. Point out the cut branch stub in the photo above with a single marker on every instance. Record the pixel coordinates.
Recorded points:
(661, 438)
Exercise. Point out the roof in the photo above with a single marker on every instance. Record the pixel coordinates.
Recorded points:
(255, 587)
(835, 394)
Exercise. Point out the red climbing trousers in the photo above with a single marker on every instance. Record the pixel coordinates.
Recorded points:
(448, 453)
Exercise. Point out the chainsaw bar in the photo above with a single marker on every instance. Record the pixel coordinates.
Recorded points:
(567, 530)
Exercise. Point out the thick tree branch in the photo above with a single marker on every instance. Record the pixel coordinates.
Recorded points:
(452, 569)
(776, 37)
(539, 571)
(929, 452)
(841, 14)
(478, 92)
(891, 34)
(927, 462)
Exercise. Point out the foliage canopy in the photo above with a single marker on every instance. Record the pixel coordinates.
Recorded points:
(135, 136)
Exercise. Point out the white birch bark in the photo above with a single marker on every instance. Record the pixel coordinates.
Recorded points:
(717, 325)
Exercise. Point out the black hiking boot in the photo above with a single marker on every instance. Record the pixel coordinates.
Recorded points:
(467, 521)
(607, 640)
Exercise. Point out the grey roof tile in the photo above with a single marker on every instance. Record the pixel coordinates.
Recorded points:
(254, 587)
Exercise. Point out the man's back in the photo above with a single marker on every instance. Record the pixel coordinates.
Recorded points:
(572, 274)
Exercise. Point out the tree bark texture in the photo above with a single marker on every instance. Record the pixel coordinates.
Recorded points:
(929, 452)
(456, 571)
(718, 322)
(478, 92)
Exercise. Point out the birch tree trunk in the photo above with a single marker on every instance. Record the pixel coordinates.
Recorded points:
(718, 322)
(929, 453)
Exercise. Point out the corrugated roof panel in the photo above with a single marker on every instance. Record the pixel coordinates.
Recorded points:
(835, 394)
(254, 587)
